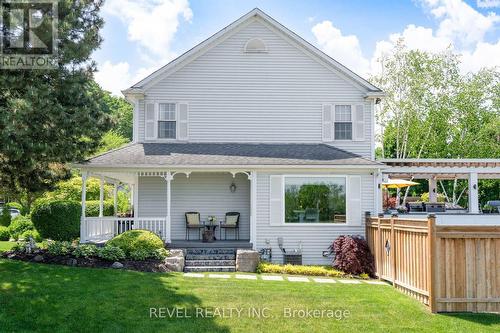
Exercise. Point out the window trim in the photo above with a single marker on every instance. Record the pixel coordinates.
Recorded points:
(313, 224)
(157, 120)
(334, 120)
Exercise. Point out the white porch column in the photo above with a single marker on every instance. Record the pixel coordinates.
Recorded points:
(473, 193)
(84, 204)
(168, 227)
(432, 189)
(253, 208)
(115, 198)
(101, 196)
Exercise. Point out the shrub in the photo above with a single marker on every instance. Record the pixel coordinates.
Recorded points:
(85, 251)
(19, 225)
(92, 208)
(58, 220)
(140, 254)
(57, 248)
(31, 233)
(5, 217)
(143, 254)
(265, 267)
(134, 240)
(111, 253)
(4, 233)
(15, 205)
(353, 256)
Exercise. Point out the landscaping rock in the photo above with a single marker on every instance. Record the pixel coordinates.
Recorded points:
(175, 262)
(247, 260)
(38, 258)
(71, 262)
(117, 265)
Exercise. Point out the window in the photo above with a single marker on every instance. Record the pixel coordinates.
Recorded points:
(315, 199)
(255, 45)
(166, 121)
(343, 122)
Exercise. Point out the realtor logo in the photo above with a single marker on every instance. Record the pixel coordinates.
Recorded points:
(28, 34)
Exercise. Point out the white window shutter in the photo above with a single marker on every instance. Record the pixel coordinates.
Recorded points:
(358, 122)
(150, 121)
(354, 214)
(275, 199)
(327, 116)
(183, 121)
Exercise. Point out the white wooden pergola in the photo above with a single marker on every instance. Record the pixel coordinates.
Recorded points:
(442, 169)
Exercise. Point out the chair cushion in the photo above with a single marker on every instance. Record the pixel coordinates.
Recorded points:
(193, 219)
(231, 219)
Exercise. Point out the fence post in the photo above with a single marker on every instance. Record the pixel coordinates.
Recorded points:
(393, 251)
(431, 269)
(379, 249)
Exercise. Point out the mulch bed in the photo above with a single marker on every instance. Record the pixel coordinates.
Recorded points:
(42, 256)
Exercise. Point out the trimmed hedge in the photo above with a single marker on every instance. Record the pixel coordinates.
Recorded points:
(135, 240)
(57, 220)
(92, 208)
(4, 233)
(19, 225)
(265, 267)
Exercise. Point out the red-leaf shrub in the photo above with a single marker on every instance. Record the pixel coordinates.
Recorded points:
(352, 255)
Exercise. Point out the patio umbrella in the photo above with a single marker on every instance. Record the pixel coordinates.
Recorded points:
(398, 183)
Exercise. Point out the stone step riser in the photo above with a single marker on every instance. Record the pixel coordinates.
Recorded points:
(209, 263)
(210, 251)
(193, 269)
(210, 257)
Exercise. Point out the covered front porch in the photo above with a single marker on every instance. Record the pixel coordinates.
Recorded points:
(161, 199)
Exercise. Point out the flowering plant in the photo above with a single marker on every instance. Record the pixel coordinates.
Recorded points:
(212, 219)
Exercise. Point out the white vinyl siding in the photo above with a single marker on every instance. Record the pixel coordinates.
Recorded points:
(276, 96)
(314, 238)
(207, 193)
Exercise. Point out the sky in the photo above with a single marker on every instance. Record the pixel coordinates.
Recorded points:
(142, 35)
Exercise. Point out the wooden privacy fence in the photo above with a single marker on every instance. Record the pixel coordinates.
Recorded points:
(449, 268)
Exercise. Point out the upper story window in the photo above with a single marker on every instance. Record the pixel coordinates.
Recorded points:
(167, 122)
(343, 122)
(255, 45)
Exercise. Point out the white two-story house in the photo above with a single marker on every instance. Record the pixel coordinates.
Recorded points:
(255, 121)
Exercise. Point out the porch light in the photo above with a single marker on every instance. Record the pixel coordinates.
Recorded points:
(232, 187)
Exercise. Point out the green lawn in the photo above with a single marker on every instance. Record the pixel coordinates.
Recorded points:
(38, 297)
(5, 246)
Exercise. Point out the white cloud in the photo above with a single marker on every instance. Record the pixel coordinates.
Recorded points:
(113, 77)
(152, 24)
(488, 3)
(343, 48)
(460, 28)
(459, 21)
(484, 55)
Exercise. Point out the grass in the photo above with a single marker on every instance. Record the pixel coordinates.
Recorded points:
(46, 298)
(6, 246)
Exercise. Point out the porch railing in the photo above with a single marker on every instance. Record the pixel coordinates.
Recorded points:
(97, 229)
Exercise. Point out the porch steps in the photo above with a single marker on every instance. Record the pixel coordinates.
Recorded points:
(210, 260)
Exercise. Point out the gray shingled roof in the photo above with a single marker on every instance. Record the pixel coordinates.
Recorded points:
(197, 154)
